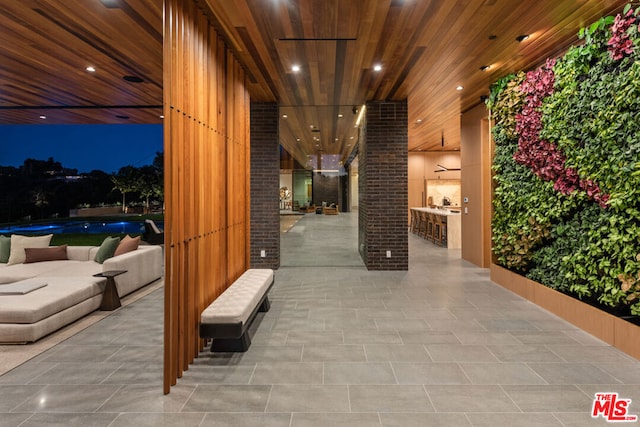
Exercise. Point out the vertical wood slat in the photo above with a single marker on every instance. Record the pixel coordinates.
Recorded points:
(206, 187)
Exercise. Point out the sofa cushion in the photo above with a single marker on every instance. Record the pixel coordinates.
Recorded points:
(59, 294)
(71, 268)
(5, 248)
(19, 243)
(107, 249)
(52, 253)
(13, 273)
(9, 275)
(127, 244)
(81, 253)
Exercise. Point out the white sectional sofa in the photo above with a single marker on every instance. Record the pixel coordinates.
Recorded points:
(71, 290)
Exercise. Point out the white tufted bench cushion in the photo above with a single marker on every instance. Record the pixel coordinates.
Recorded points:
(227, 318)
(238, 301)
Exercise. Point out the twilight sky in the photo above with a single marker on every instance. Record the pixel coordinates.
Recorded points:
(83, 147)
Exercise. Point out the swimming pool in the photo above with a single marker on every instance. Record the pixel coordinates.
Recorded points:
(78, 227)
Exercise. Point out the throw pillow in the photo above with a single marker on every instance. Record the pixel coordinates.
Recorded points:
(52, 253)
(107, 249)
(19, 243)
(127, 244)
(5, 248)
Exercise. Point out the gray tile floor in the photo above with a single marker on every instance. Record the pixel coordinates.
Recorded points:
(438, 345)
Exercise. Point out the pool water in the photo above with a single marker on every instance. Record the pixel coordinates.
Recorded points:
(78, 227)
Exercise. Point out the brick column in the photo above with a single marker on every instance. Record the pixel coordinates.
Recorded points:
(383, 186)
(265, 182)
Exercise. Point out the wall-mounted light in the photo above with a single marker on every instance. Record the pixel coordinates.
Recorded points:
(360, 116)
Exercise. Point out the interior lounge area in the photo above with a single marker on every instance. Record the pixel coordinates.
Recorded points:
(346, 146)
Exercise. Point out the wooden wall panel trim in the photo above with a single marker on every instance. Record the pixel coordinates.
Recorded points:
(206, 186)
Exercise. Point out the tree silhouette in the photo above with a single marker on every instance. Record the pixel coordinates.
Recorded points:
(125, 181)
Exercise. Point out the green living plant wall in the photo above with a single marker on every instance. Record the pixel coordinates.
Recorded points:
(567, 167)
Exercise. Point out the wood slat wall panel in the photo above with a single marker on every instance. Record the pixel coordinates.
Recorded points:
(206, 186)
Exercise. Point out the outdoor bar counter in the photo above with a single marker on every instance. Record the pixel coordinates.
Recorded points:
(454, 228)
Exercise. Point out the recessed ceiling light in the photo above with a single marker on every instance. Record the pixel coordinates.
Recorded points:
(419, 121)
(340, 115)
(377, 67)
(284, 116)
(522, 37)
(298, 139)
(311, 126)
(336, 139)
(90, 69)
(295, 68)
(161, 116)
(460, 87)
(350, 137)
(485, 67)
(43, 117)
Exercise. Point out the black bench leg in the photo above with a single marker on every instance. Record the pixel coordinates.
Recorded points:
(232, 344)
(265, 306)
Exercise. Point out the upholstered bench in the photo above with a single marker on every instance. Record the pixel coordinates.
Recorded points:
(226, 320)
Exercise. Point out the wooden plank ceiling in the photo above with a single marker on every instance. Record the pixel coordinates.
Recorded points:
(426, 49)
(47, 45)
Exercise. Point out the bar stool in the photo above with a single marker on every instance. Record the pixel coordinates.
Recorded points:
(441, 228)
(415, 219)
(435, 236)
(431, 226)
(429, 232)
(422, 230)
